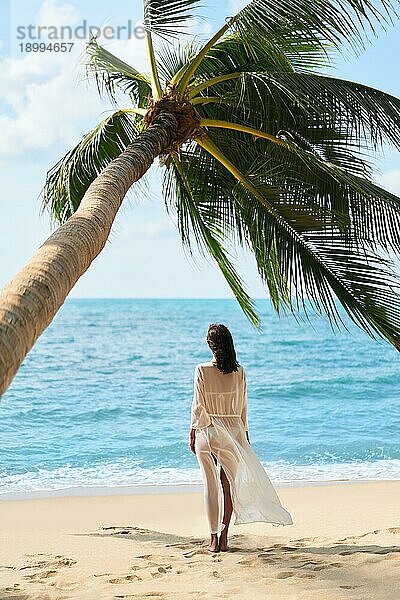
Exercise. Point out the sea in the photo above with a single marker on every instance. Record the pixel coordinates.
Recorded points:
(103, 399)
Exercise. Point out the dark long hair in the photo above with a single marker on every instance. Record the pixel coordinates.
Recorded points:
(220, 340)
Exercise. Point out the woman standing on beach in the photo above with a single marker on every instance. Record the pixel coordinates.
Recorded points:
(234, 479)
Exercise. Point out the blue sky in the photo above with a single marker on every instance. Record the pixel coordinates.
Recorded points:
(45, 107)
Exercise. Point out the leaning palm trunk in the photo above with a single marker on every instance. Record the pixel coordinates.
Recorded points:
(259, 150)
(29, 302)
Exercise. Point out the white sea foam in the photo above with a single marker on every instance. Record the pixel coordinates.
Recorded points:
(120, 474)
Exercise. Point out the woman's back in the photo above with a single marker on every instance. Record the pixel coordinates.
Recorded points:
(224, 394)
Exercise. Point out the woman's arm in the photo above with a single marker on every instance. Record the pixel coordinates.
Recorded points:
(244, 406)
(197, 415)
(192, 439)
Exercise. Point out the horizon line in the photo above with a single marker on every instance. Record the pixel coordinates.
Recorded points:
(157, 298)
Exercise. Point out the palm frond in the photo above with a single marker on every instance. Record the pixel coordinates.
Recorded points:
(272, 114)
(362, 210)
(171, 58)
(168, 18)
(111, 73)
(327, 24)
(179, 195)
(320, 264)
(276, 52)
(373, 212)
(67, 181)
(332, 21)
(279, 50)
(213, 193)
(361, 113)
(311, 106)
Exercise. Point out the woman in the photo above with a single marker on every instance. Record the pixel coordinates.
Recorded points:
(234, 479)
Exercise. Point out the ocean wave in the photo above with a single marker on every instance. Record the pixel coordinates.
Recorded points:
(126, 473)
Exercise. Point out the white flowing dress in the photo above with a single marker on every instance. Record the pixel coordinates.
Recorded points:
(219, 416)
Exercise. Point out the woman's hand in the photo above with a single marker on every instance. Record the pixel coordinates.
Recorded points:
(192, 438)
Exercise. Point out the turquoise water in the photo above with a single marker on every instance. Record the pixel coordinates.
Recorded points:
(104, 397)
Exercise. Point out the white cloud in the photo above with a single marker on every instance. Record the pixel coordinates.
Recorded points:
(45, 105)
(47, 113)
(51, 13)
(391, 181)
(47, 102)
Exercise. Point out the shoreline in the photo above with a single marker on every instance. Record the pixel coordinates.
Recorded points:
(162, 488)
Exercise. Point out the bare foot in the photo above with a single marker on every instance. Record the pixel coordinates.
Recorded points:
(213, 545)
(223, 542)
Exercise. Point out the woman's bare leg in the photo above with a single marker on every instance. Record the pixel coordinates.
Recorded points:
(210, 478)
(213, 546)
(223, 539)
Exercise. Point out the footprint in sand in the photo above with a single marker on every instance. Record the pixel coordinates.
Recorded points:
(124, 529)
(308, 563)
(161, 571)
(46, 571)
(358, 537)
(57, 561)
(260, 560)
(255, 562)
(124, 579)
(164, 569)
(41, 575)
(268, 560)
(13, 594)
(198, 551)
(285, 574)
(374, 532)
(156, 561)
(152, 560)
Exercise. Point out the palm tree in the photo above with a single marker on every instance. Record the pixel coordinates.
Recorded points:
(259, 150)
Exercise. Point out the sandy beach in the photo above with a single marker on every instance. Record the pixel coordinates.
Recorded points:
(344, 544)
